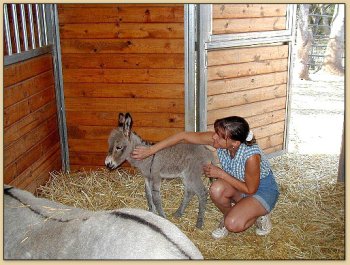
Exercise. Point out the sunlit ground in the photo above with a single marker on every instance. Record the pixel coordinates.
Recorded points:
(316, 115)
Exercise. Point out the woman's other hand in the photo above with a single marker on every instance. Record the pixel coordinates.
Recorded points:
(212, 171)
(141, 152)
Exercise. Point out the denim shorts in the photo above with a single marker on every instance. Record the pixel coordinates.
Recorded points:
(267, 193)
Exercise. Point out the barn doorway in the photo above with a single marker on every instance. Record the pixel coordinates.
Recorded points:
(316, 114)
(317, 106)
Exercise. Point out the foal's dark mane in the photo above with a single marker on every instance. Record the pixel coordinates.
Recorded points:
(144, 142)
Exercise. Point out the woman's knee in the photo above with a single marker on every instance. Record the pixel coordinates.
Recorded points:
(234, 224)
(216, 189)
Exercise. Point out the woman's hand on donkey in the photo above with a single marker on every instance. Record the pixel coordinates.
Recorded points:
(141, 152)
(212, 171)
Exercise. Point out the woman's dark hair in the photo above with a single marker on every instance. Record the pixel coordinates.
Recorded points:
(235, 128)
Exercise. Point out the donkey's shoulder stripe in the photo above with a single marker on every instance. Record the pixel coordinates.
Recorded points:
(150, 225)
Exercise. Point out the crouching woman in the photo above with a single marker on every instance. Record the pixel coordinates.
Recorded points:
(245, 189)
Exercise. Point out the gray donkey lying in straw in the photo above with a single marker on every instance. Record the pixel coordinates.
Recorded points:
(36, 228)
(182, 160)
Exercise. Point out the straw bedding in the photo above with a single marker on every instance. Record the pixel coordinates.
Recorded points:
(308, 221)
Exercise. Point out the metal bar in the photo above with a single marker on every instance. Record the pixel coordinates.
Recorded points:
(190, 67)
(7, 31)
(31, 22)
(49, 28)
(44, 25)
(18, 57)
(38, 24)
(319, 15)
(291, 47)
(24, 27)
(204, 31)
(317, 25)
(15, 24)
(57, 60)
(249, 42)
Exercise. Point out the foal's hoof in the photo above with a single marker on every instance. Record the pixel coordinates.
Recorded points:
(177, 214)
(199, 224)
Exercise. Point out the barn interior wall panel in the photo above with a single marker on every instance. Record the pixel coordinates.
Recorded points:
(31, 137)
(245, 18)
(120, 58)
(250, 81)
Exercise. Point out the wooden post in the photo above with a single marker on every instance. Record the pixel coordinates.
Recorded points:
(341, 166)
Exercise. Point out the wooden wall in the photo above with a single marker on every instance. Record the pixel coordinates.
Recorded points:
(244, 18)
(250, 81)
(120, 58)
(31, 137)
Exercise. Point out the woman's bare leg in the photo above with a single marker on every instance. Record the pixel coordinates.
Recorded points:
(222, 194)
(244, 214)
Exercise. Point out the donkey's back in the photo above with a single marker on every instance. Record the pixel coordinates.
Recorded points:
(36, 228)
(181, 160)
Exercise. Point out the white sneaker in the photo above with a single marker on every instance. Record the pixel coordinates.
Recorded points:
(264, 225)
(220, 232)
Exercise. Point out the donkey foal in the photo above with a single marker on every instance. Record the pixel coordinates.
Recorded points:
(182, 160)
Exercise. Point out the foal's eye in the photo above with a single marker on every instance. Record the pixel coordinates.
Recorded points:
(118, 148)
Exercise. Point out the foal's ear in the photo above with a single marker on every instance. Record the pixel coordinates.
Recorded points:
(127, 125)
(121, 120)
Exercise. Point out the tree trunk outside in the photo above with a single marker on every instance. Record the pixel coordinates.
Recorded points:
(304, 42)
(333, 56)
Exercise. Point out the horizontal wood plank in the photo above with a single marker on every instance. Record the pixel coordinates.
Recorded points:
(247, 69)
(101, 145)
(122, 30)
(28, 175)
(28, 123)
(85, 168)
(23, 108)
(248, 110)
(18, 148)
(110, 118)
(269, 129)
(245, 25)
(274, 149)
(41, 174)
(44, 175)
(125, 105)
(243, 55)
(115, 5)
(110, 90)
(87, 159)
(30, 156)
(122, 46)
(266, 118)
(27, 88)
(18, 72)
(261, 119)
(248, 10)
(123, 61)
(271, 141)
(246, 96)
(102, 132)
(118, 13)
(244, 83)
(150, 76)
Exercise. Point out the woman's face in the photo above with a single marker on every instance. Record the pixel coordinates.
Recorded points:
(220, 141)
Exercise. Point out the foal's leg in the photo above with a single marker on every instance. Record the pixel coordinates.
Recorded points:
(148, 190)
(188, 194)
(202, 194)
(157, 200)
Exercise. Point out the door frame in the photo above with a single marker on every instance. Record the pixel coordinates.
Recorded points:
(199, 40)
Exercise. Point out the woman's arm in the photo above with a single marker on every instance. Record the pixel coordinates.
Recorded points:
(141, 152)
(252, 175)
